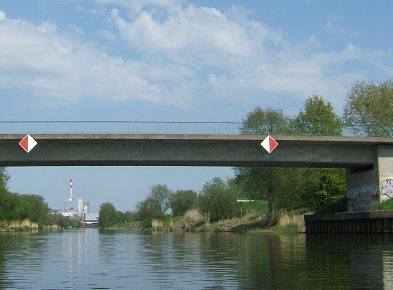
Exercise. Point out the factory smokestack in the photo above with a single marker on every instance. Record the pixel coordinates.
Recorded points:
(70, 199)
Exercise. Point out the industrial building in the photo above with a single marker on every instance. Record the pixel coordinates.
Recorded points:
(79, 209)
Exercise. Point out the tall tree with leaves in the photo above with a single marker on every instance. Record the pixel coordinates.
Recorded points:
(4, 178)
(147, 210)
(318, 118)
(107, 215)
(183, 200)
(370, 104)
(162, 195)
(322, 185)
(261, 122)
(262, 182)
(39, 209)
(155, 205)
(218, 200)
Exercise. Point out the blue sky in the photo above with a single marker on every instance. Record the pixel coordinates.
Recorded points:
(173, 60)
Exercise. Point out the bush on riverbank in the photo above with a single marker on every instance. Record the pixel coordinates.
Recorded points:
(387, 205)
(335, 207)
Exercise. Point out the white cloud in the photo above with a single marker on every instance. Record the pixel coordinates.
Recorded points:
(107, 35)
(341, 31)
(195, 36)
(239, 57)
(60, 71)
(138, 4)
(47, 27)
(77, 29)
(184, 56)
(2, 15)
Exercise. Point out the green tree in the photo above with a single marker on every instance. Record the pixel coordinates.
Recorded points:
(12, 207)
(218, 200)
(107, 215)
(64, 222)
(121, 217)
(289, 188)
(53, 219)
(369, 108)
(162, 195)
(322, 186)
(318, 118)
(131, 216)
(39, 209)
(4, 178)
(3, 193)
(155, 205)
(262, 182)
(18, 207)
(183, 200)
(319, 186)
(148, 209)
(264, 122)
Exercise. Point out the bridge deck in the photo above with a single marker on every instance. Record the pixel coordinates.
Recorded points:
(188, 150)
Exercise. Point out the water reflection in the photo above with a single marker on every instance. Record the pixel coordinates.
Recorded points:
(93, 259)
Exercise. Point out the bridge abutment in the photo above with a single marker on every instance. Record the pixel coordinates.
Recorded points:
(368, 187)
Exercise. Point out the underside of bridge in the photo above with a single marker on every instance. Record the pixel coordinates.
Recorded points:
(368, 160)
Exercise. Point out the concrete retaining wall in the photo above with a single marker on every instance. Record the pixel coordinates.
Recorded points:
(357, 222)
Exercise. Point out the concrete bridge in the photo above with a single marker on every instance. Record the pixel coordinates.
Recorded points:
(368, 160)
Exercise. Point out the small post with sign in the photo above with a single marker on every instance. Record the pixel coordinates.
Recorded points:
(241, 207)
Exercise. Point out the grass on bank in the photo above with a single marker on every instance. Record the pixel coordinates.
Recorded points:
(341, 206)
(252, 212)
(289, 222)
(250, 215)
(387, 205)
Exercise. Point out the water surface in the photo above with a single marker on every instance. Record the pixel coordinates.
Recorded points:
(95, 259)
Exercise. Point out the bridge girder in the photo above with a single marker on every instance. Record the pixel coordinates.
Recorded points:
(354, 153)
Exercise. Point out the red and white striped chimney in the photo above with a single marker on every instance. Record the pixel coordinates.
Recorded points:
(71, 189)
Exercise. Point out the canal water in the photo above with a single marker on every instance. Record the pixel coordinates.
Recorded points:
(96, 259)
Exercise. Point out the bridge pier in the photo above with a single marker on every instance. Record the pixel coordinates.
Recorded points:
(371, 185)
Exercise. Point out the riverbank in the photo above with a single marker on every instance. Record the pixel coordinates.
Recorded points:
(287, 222)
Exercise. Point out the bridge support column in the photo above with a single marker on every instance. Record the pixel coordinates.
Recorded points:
(368, 187)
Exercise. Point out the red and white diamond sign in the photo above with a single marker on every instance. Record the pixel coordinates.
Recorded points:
(269, 144)
(27, 143)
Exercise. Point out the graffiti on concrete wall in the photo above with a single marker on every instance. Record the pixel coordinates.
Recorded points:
(362, 199)
(386, 189)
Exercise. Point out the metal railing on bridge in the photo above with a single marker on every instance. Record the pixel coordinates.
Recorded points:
(199, 128)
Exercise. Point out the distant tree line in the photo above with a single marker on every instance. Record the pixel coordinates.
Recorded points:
(14, 206)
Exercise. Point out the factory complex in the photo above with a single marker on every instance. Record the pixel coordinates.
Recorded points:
(79, 209)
